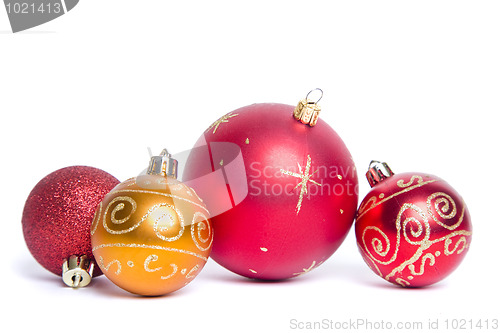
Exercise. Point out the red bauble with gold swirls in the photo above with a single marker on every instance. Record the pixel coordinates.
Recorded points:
(412, 229)
(288, 194)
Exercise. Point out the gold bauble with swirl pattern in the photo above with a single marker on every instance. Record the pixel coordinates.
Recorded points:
(151, 235)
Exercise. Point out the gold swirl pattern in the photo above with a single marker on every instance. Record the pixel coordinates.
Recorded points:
(432, 261)
(377, 244)
(164, 215)
(369, 204)
(108, 266)
(412, 225)
(165, 218)
(401, 183)
(196, 232)
(407, 187)
(120, 207)
(442, 207)
(461, 241)
(411, 222)
(149, 259)
(154, 257)
(381, 247)
(168, 195)
(151, 240)
(174, 268)
(402, 282)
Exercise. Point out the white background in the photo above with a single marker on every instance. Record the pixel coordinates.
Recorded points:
(413, 83)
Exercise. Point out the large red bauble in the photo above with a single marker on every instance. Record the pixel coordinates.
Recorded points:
(302, 191)
(413, 229)
(58, 214)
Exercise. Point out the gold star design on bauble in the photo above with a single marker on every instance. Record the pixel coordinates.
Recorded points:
(223, 119)
(304, 177)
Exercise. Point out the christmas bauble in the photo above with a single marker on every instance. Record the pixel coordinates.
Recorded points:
(58, 214)
(412, 229)
(151, 235)
(295, 200)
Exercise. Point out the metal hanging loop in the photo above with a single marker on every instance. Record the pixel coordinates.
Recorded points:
(319, 99)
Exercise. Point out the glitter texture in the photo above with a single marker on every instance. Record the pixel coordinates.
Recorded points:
(58, 214)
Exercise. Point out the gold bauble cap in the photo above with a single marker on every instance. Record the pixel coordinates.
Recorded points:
(307, 111)
(163, 165)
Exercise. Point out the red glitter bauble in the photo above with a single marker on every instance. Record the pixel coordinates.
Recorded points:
(297, 201)
(412, 229)
(59, 211)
